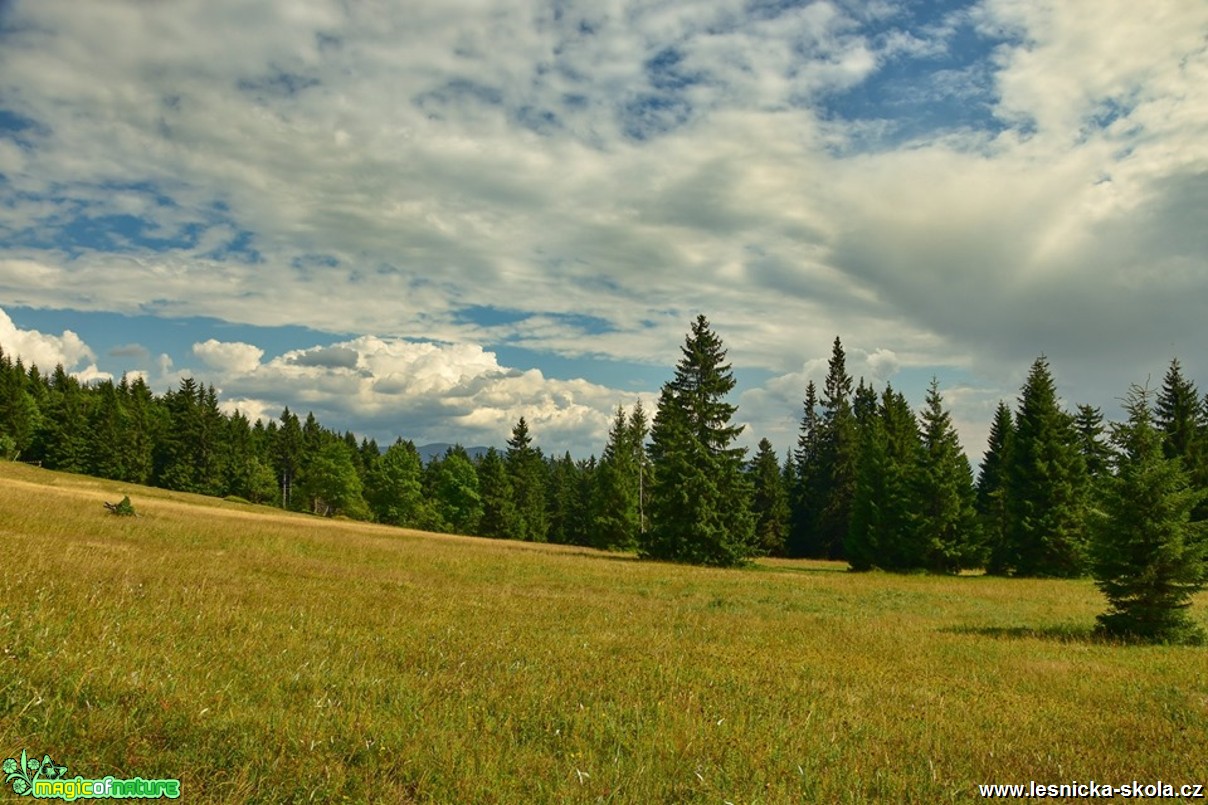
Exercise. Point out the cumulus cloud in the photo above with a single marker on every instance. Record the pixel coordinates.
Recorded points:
(423, 391)
(45, 350)
(229, 356)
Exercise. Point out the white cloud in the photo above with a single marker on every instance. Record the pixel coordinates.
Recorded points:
(422, 391)
(229, 356)
(47, 351)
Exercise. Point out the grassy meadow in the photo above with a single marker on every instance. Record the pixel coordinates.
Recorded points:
(267, 657)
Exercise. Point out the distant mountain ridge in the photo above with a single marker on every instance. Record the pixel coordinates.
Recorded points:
(427, 452)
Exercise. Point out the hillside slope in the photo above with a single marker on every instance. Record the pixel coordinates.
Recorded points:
(263, 656)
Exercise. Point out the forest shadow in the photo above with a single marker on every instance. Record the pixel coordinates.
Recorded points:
(1076, 633)
(794, 569)
(1059, 633)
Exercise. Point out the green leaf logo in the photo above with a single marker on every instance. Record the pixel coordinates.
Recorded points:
(22, 774)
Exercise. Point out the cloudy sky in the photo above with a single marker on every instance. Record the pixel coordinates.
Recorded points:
(429, 218)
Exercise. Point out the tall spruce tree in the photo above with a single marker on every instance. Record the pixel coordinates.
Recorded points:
(499, 516)
(1149, 557)
(1095, 451)
(700, 496)
(992, 492)
(527, 471)
(639, 429)
(287, 455)
(616, 516)
(562, 497)
(883, 532)
(803, 495)
(1180, 418)
(837, 456)
(19, 412)
(870, 534)
(769, 501)
(1046, 485)
(947, 524)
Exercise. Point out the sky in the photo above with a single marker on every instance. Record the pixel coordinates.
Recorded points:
(427, 219)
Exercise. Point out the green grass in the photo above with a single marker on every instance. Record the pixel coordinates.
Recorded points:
(260, 656)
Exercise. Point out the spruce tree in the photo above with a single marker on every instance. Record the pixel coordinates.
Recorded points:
(562, 493)
(769, 502)
(700, 497)
(499, 516)
(992, 490)
(803, 495)
(947, 526)
(1150, 558)
(869, 533)
(1095, 451)
(61, 442)
(526, 471)
(905, 445)
(639, 429)
(616, 516)
(19, 413)
(883, 532)
(1179, 416)
(248, 474)
(1046, 485)
(108, 425)
(837, 456)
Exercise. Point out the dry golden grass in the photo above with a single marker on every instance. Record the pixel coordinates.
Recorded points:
(268, 657)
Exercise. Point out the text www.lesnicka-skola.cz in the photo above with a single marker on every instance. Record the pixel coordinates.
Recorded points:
(1094, 790)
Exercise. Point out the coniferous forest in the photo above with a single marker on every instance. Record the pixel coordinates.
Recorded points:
(871, 482)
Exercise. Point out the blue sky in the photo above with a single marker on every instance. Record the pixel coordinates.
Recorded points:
(428, 219)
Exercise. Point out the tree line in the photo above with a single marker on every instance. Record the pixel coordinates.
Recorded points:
(870, 481)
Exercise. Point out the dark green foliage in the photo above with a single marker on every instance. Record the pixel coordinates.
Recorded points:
(835, 483)
(191, 455)
(700, 497)
(62, 438)
(1095, 451)
(639, 430)
(992, 491)
(1181, 419)
(585, 505)
(499, 516)
(146, 422)
(883, 531)
(562, 498)
(803, 496)
(331, 484)
(526, 471)
(617, 511)
(769, 501)
(1046, 485)
(287, 454)
(249, 475)
(948, 536)
(19, 414)
(394, 487)
(1092, 443)
(1149, 557)
(452, 485)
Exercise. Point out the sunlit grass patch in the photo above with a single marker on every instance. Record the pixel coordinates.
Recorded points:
(263, 656)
